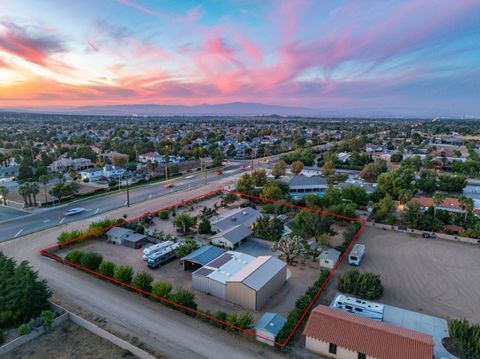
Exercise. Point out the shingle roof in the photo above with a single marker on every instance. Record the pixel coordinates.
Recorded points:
(245, 216)
(234, 234)
(364, 335)
(305, 181)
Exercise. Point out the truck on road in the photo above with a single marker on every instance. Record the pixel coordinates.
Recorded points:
(356, 254)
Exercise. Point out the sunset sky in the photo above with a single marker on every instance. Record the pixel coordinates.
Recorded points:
(389, 55)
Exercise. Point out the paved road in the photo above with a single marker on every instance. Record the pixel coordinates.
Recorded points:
(45, 218)
(168, 332)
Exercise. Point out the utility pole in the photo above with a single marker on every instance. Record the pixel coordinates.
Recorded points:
(206, 172)
(128, 190)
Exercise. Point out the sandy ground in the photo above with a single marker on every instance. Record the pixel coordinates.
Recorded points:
(76, 343)
(435, 277)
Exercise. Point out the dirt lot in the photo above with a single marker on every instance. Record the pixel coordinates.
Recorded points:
(432, 276)
(76, 342)
(302, 276)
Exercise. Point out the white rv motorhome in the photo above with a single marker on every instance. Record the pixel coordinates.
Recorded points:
(162, 256)
(356, 254)
(149, 251)
(357, 306)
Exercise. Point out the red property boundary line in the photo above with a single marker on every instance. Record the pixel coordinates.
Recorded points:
(45, 252)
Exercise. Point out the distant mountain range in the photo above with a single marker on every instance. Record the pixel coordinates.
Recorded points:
(233, 109)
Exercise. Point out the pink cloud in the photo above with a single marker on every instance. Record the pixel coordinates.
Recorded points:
(141, 8)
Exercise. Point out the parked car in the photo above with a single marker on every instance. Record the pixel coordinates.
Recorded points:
(428, 235)
(219, 172)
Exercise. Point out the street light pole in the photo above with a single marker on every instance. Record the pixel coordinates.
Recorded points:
(128, 189)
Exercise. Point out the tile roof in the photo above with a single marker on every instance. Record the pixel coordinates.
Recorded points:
(448, 203)
(364, 335)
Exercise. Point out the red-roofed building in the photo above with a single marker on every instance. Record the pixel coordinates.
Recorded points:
(342, 335)
(449, 204)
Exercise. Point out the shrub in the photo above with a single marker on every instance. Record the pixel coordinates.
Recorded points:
(25, 328)
(107, 268)
(143, 281)
(220, 315)
(363, 285)
(75, 256)
(232, 319)
(466, 338)
(245, 321)
(165, 214)
(47, 316)
(67, 236)
(184, 297)
(91, 260)
(123, 274)
(204, 227)
(161, 289)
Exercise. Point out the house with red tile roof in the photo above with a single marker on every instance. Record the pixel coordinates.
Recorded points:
(337, 334)
(449, 204)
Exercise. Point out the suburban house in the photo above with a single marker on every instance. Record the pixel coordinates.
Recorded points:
(302, 185)
(153, 157)
(92, 174)
(370, 147)
(337, 334)
(64, 164)
(234, 228)
(329, 258)
(113, 172)
(107, 172)
(449, 204)
(242, 279)
(126, 237)
(343, 156)
(268, 327)
(9, 168)
(109, 156)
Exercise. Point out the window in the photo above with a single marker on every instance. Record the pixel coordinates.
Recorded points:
(362, 356)
(332, 348)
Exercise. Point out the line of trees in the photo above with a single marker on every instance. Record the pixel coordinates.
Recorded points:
(22, 295)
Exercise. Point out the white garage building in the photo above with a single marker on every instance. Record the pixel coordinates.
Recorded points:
(241, 278)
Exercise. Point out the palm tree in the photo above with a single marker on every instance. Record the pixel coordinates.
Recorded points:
(437, 201)
(44, 180)
(466, 204)
(3, 194)
(23, 191)
(34, 190)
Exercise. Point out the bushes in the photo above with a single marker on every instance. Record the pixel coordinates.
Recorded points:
(243, 321)
(107, 268)
(184, 298)
(91, 260)
(466, 338)
(165, 214)
(161, 289)
(301, 305)
(25, 328)
(204, 227)
(75, 256)
(362, 285)
(123, 274)
(143, 281)
(186, 247)
(348, 236)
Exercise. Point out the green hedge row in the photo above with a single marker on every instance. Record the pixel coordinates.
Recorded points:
(301, 306)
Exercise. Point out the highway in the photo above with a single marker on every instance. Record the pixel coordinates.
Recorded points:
(44, 218)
